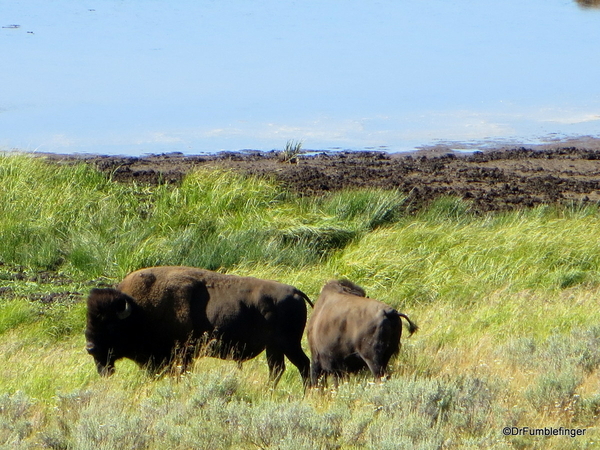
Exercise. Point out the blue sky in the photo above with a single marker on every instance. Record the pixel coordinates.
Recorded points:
(133, 76)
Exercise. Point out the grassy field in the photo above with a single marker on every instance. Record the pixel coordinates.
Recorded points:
(507, 305)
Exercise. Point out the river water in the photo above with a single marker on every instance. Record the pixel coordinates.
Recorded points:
(193, 76)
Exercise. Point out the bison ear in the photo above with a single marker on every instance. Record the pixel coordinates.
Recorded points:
(124, 311)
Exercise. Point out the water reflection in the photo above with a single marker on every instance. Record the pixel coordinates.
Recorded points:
(140, 77)
(588, 3)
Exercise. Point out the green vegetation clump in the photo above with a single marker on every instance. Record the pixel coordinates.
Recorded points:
(506, 303)
(291, 152)
(72, 219)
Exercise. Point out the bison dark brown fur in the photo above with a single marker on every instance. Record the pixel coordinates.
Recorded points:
(348, 332)
(156, 311)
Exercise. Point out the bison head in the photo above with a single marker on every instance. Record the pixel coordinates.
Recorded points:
(108, 314)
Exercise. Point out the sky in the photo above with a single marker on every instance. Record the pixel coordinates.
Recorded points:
(200, 76)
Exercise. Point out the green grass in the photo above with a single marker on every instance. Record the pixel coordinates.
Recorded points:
(73, 220)
(506, 303)
(291, 151)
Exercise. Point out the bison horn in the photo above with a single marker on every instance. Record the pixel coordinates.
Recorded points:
(126, 311)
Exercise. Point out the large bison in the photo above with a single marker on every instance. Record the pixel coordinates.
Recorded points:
(348, 332)
(158, 313)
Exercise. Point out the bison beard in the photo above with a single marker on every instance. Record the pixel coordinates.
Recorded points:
(348, 332)
(162, 317)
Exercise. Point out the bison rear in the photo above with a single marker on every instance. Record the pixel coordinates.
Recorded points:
(348, 332)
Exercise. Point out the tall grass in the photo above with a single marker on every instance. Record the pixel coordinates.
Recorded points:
(507, 306)
(73, 219)
(433, 257)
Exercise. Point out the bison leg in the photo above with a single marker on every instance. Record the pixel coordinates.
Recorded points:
(387, 343)
(337, 377)
(298, 358)
(276, 364)
(318, 377)
(377, 361)
(288, 334)
(376, 369)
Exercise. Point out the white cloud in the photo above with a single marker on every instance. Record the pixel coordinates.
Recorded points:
(571, 119)
(62, 140)
(393, 132)
(321, 130)
(159, 138)
(221, 132)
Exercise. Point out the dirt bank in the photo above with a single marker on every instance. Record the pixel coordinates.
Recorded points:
(493, 180)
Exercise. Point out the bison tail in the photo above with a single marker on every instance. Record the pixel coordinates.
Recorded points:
(305, 297)
(412, 327)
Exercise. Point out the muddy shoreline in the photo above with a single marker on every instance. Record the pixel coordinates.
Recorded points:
(495, 180)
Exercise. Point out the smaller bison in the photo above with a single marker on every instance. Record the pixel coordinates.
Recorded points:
(160, 316)
(348, 332)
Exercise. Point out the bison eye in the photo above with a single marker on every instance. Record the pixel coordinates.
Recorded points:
(124, 310)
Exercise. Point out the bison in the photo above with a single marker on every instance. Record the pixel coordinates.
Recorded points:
(348, 332)
(159, 312)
